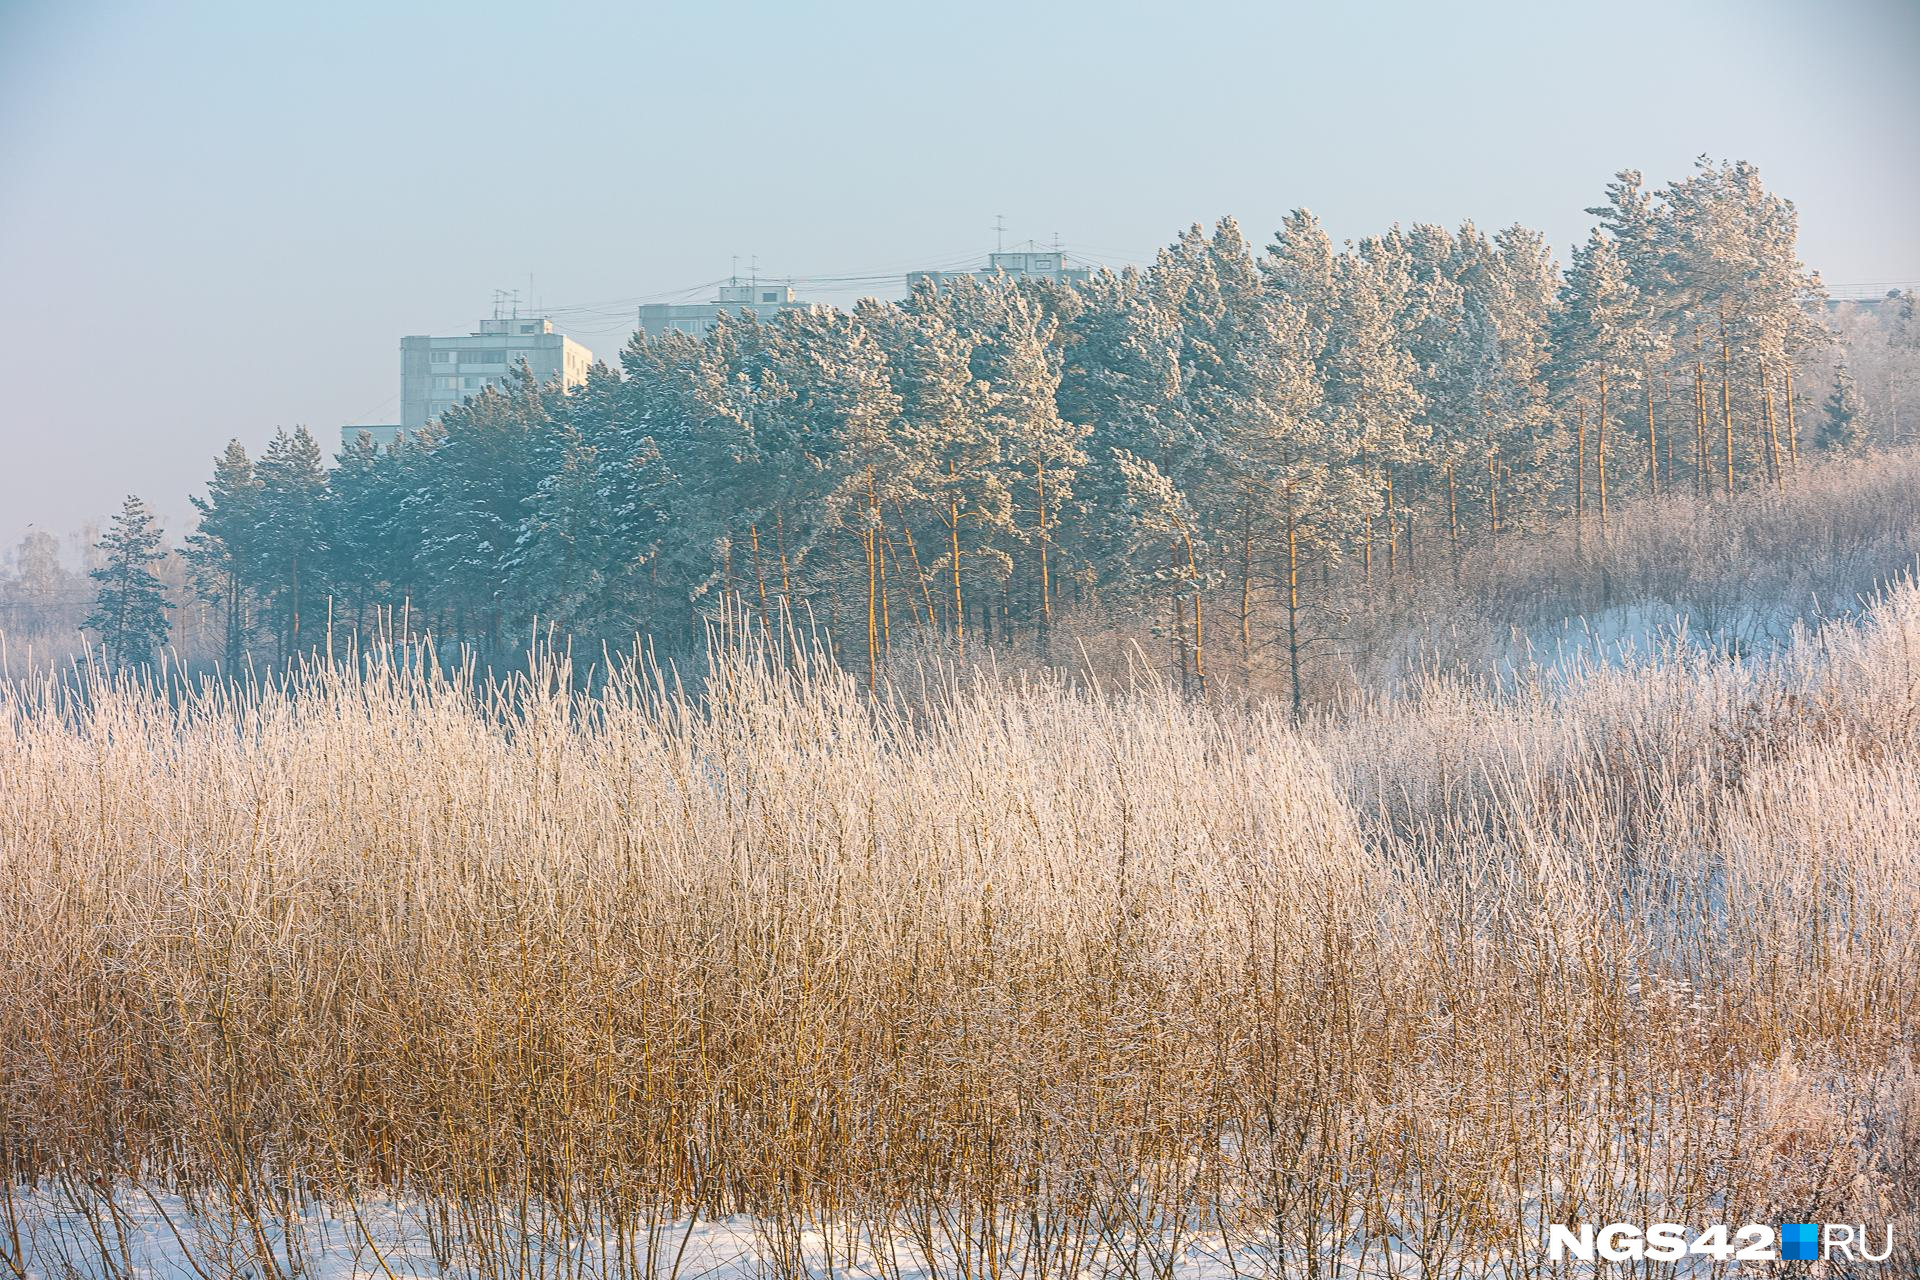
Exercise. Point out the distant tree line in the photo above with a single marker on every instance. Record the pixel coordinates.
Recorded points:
(1203, 445)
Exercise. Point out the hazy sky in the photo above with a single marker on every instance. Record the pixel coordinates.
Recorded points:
(216, 219)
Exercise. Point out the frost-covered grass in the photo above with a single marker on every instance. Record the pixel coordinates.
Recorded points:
(387, 974)
(1725, 576)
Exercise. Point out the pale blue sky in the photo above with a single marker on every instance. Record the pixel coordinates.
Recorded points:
(219, 218)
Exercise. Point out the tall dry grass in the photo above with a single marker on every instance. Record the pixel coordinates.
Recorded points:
(1737, 575)
(992, 979)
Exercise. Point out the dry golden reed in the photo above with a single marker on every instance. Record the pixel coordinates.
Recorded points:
(1025, 977)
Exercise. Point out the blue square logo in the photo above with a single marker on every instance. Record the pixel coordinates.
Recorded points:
(1800, 1241)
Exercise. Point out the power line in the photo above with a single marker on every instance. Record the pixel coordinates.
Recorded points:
(609, 309)
(1870, 291)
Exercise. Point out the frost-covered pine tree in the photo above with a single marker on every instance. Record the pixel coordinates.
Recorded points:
(1121, 375)
(1041, 448)
(1597, 336)
(130, 602)
(1430, 315)
(292, 533)
(368, 557)
(1365, 422)
(223, 552)
(1730, 264)
(1519, 288)
(1370, 405)
(840, 407)
(1842, 423)
(476, 470)
(943, 425)
(969, 484)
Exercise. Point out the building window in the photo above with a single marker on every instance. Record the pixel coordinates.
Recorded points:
(484, 357)
(440, 357)
(444, 383)
(526, 328)
(769, 297)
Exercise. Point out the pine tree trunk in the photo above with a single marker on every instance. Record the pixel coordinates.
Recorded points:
(1580, 476)
(1390, 525)
(953, 530)
(1653, 439)
(1493, 470)
(1366, 531)
(1199, 624)
(1600, 453)
(1046, 583)
(1246, 574)
(1702, 484)
(1293, 604)
(873, 593)
(1667, 479)
(759, 581)
(1726, 400)
(920, 574)
(1793, 431)
(1366, 552)
(1179, 635)
(1453, 526)
(1773, 432)
(235, 608)
(886, 613)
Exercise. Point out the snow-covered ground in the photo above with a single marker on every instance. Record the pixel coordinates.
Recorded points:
(138, 1236)
(1632, 633)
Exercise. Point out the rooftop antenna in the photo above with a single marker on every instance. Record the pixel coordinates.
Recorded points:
(734, 279)
(999, 232)
(753, 271)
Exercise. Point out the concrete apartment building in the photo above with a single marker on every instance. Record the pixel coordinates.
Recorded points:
(764, 301)
(1021, 264)
(438, 373)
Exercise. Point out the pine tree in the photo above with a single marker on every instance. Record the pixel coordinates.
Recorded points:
(1040, 447)
(290, 534)
(471, 478)
(1121, 376)
(1733, 279)
(1518, 287)
(363, 558)
(222, 553)
(1842, 425)
(130, 604)
(839, 411)
(1597, 337)
(587, 554)
(945, 416)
